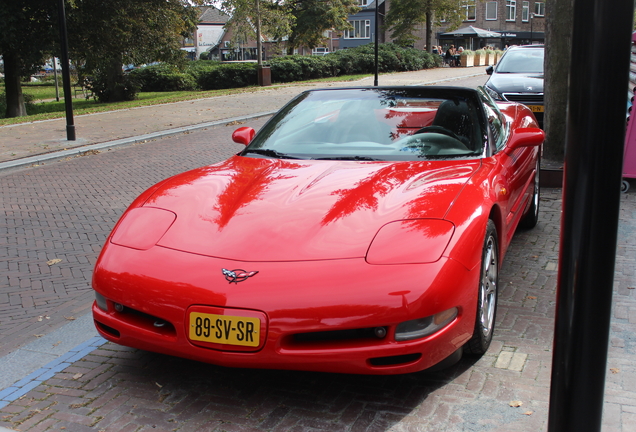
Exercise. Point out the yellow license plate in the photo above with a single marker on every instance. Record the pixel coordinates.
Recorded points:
(224, 329)
(536, 108)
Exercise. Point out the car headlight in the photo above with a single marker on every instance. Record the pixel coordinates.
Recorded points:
(101, 301)
(141, 228)
(419, 328)
(413, 241)
(492, 93)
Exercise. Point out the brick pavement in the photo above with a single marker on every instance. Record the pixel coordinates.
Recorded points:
(64, 211)
(122, 389)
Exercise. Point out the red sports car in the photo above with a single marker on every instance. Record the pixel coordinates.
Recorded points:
(361, 230)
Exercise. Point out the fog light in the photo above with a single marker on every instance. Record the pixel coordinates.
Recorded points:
(119, 307)
(419, 328)
(380, 332)
(101, 301)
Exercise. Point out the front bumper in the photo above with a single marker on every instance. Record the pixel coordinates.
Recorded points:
(317, 315)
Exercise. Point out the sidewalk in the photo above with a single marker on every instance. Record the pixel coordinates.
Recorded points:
(38, 140)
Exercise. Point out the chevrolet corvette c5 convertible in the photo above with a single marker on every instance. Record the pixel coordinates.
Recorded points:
(361, 230)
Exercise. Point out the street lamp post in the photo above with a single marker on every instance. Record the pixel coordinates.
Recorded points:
(66, 75)
(377, 40)
(531, 31)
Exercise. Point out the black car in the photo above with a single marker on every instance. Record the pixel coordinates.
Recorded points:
(518, 77)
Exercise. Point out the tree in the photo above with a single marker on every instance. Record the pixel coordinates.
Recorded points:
(271, 17)
(558, 38)
(27, 38)
(313, 17)
(104, 36)
(404, 16)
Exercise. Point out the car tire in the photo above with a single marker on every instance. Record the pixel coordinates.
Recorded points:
(487, 293)
(624, 186)
(530, 219)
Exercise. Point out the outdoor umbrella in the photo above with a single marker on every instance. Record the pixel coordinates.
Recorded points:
(472, 33)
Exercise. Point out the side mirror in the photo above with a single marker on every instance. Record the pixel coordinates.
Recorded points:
(525, 137)
(243, 135)
(489, 70)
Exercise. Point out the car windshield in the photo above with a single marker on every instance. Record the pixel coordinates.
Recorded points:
(525, 60)
(374, 124)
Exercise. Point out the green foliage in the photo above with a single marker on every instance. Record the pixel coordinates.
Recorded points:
(125, 88)
(275, 18)
(285, 69)
(360, 60)
(405, 16)
(232, 75)
(163, 77)
(196, 68)
(313, 17)
(213, 75)
(105, 35)
(28, 35)
(300, 68)
(467, 53)
(392, 58)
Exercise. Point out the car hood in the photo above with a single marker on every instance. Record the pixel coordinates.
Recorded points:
(253, 209)
(516, 83)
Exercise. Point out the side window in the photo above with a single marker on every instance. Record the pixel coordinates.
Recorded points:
(495, 120)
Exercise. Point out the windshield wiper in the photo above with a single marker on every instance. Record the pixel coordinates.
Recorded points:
(269, 152)
(357, 158)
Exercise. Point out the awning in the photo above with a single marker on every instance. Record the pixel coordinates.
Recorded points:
(472, 32)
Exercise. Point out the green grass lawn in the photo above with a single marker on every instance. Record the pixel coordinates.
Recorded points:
(45, 107)
(40, 92)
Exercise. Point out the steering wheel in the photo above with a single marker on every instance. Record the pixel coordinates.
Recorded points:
(440, 130)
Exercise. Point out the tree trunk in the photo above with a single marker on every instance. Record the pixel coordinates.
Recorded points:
(558, 38)
(429, 28)
(114, 82)
(13, 87)
(259, 43)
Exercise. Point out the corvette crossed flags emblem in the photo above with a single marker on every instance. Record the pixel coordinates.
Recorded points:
(238, 275)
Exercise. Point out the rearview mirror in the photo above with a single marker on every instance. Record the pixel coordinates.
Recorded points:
(489, 70)
(525, 137)
(243, 135)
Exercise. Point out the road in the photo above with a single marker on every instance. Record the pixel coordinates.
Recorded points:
(64, 211)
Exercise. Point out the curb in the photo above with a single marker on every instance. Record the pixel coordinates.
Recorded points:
(34, 379)
(53, 156)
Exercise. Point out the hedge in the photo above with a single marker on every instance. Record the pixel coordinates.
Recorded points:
(229, 75)
(163, 77)
(212, 75)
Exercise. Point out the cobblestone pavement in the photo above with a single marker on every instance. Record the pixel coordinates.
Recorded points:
(64, 210)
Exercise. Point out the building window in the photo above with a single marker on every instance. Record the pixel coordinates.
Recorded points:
(491, 11)
(511, 10)
(363, 2)
(539, 9)
(525, 11)
(471, 11)
(361, 30)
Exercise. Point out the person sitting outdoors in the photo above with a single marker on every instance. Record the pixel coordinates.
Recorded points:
(449, 58)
